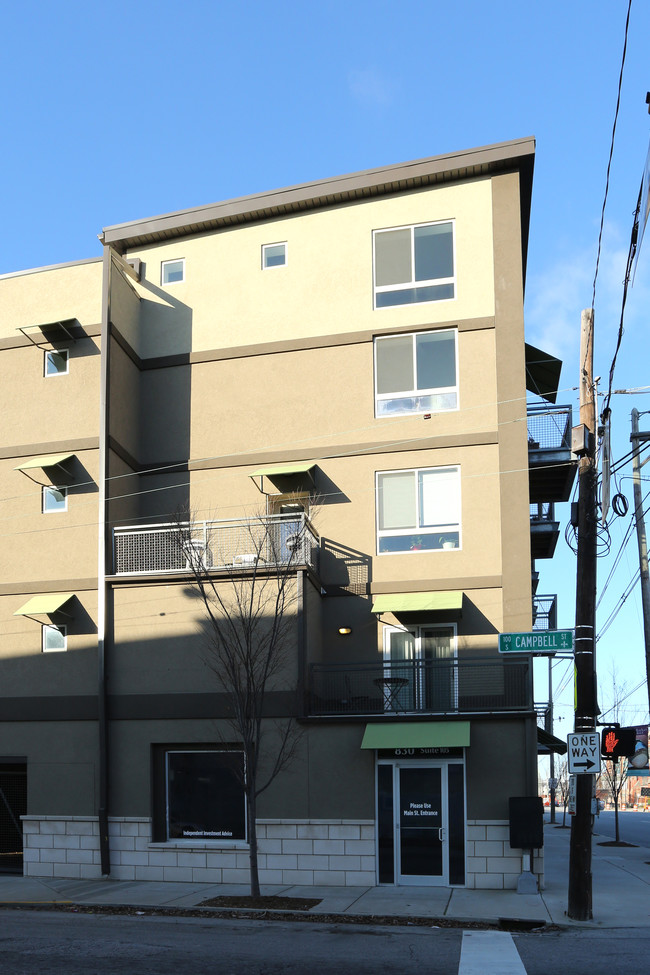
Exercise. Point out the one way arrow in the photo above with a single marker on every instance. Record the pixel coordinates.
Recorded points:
(588, 764)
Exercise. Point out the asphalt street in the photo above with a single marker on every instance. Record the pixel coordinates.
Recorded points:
(47, 943)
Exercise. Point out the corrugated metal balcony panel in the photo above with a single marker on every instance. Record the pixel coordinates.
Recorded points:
(543, 540)
(454, 686)
(552, 466)
(228, 544)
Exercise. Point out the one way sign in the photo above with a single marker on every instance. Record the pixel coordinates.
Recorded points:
(584, 753)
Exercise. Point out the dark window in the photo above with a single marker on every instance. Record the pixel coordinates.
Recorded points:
(198, 794)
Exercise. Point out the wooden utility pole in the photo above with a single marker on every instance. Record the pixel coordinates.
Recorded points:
(636, 439)
(580, 879)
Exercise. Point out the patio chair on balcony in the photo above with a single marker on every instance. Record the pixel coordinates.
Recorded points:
(197, 554)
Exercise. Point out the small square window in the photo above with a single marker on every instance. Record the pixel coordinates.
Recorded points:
(56, 363)
(54, 499)
(172, 272)
(274, 255)
(54, 638)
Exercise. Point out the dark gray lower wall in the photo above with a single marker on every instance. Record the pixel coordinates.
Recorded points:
(61, 764)
(498, 765)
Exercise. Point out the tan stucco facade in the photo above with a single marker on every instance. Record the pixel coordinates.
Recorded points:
(174, 395)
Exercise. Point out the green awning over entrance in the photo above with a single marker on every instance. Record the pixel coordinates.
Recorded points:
(418, 602)
(285, 470)
(44, 605)
(417, 734)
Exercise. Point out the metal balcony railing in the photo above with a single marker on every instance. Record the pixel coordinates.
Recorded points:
(449, 686)
(244, 543)
(549, 427)
(545, 612)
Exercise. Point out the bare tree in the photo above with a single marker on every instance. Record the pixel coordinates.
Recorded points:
(613, 779)
(245, 572)
(614, 772)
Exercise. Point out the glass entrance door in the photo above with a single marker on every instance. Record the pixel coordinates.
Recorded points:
(420, 820)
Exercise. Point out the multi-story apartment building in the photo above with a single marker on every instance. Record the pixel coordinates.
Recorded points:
(343, 360)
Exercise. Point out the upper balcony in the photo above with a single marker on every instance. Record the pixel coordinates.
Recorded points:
(544, 530)
(551, 464)
(421, 687)
(269, 541)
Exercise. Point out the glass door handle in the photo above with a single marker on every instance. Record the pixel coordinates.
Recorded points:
(441, 834)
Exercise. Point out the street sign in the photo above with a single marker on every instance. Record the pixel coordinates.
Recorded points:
(537, 642)
(571, 807)
(584, 753)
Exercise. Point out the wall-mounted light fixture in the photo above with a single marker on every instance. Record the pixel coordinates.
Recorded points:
(345, 630)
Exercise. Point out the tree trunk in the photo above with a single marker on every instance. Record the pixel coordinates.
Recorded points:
(251, 804)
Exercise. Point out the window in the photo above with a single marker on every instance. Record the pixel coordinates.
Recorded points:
(55, 499)
(414, 264)
(56, 363)
(274, 255)
(418, 510)
(420, 671)
(172, 272)
(198, 794)
(416, 373)
(54, 638)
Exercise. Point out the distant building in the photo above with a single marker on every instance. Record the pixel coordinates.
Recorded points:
(359, 341)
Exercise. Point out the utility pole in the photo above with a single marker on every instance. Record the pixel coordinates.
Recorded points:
(580, 879)
(636, 439)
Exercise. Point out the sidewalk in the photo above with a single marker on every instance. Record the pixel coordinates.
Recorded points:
(621, 893)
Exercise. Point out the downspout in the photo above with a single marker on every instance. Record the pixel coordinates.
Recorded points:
(102, 622)
(300, 633)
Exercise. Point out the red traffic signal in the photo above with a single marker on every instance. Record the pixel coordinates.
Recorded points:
(617, 742)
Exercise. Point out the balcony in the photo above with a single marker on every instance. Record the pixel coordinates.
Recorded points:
(551, 464)
(454, 686)
(544, 530)
(228, 545)
(545, 612)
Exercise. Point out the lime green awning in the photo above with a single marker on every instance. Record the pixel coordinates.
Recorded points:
(51, 460)
(44, 605)
(285, 470)
(417, 734)
(418, 602)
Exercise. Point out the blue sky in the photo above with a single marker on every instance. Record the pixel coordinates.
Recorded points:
(113, 113)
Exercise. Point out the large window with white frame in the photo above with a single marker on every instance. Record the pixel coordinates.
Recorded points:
(55, 638)
(420, 668)
(418, 509)
(414, 264)
(416, 372)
